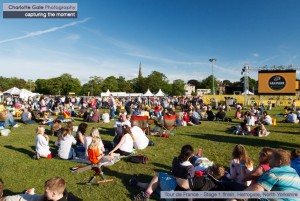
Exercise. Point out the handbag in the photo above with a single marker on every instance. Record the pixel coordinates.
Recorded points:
(138, 158)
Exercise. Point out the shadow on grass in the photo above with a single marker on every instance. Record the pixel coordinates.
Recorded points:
(107, 131)
(21, 150)
(7, 192)
(161, 167)
(257, 142)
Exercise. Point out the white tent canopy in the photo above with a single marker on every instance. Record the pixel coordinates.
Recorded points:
(160, 93)
(24, 93)
(148, 93)
(247, 92)
(12, 91)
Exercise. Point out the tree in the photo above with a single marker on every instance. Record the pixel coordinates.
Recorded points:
(139, 85)
(226, 83)
(156, 81)
(193, 82)
(110, 83)
(124, 85)
(207, 83)
(94, 86)
(178, 87)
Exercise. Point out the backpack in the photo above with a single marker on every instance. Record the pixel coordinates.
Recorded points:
(138, 158)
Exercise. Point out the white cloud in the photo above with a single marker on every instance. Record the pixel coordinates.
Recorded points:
(38, 33)
(255, 54)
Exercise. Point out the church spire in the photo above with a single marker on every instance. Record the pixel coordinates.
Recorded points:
(140, 71)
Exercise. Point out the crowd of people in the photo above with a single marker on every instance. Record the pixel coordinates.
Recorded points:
(189, 171)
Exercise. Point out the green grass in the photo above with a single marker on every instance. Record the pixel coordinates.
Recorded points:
(21, 172)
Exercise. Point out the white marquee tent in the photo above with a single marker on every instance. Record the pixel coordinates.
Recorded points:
(148, 93)
(24, 93)
(12, 91)
(247, 92)
(160, 93)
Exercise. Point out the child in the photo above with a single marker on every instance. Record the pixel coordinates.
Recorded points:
(240, 160)
(42, 143)
(94, 151)
(88, 141)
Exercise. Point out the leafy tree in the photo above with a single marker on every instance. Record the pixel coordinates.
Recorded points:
(94, 86)
(207, 83)
(193, 82)
(139, 85)
(124, 85)
(156, 81)
(178, 87)
(110, 83)
(226, 83)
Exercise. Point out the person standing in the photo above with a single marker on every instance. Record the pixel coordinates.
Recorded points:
(112, 106)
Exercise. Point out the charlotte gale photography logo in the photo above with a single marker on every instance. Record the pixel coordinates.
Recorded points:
(277, 82)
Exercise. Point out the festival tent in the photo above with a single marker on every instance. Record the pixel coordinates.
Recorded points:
(12, 91)
(160, 93)
(24, 93)
(247, 92)
(148, 93)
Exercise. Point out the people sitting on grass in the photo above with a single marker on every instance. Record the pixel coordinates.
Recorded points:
(263, 166)
(94, 135)
(56, 128)
(65, 142)
(26, 117)
(262, 131)
(295, 160)
(291, 118)
(182, 174)
(240, 161)
(80, 135)
(105, 117)
(95, 148)
(193, 121)
(140, 139)
(8, 119)
(42, 144)
(118, 127)
(281, 176)
(211, 181)
(125, 145)
(94, 116)
(221, 114)
(238, 113)
(243, 129)
(266, 119)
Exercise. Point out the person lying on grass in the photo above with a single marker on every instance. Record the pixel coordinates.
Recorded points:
(182, 174)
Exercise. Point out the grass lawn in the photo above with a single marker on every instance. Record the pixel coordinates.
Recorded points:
(20, 172)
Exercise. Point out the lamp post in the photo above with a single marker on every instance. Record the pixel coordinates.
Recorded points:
(92, 78)
(213, 60)
(30, 84)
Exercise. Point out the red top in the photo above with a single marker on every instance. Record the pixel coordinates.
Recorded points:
(93, 154)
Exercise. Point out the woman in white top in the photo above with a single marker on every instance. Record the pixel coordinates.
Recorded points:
(65, 142)
(125, 146)
(266, 120)
(42, 143)
(94, 133)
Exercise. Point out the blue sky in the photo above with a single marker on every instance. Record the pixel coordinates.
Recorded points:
(175, 37)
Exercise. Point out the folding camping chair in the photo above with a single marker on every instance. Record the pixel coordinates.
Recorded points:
(106, 161)
(169, 124)
(142, 122)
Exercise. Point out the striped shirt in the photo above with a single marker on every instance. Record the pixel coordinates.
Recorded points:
(283, 178)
